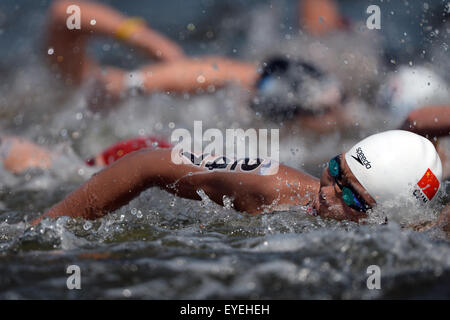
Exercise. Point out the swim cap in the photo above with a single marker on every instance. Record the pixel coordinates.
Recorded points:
(396, 165)
(289, 87)
(412, 88)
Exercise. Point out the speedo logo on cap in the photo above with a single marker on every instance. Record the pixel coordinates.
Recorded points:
(361, 158)
(428, 186)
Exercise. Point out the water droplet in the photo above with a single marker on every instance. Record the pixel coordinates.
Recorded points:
(126, 293)
(201, 79)
(87, 225)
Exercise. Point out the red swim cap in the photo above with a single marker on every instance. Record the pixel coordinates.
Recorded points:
(121, 148)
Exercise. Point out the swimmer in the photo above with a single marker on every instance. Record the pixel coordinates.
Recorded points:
(370, 174)
(279, 88)
(18, 154)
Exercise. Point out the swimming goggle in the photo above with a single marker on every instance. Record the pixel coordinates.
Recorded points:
(350, 196)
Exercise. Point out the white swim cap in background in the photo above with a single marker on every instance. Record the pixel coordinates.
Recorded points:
(396, 165)
(412, 87)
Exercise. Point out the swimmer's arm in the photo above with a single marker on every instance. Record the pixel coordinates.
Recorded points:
(319, 17)
(190, 75)
(126, 178)
(249, 192)
(18, 154)
(107, 22)
(432, 121)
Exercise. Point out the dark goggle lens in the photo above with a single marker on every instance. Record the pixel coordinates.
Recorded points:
(333, 167)
(351, 200)
(348, 195)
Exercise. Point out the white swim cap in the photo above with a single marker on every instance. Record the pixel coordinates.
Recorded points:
(396, 165)
(413, 87)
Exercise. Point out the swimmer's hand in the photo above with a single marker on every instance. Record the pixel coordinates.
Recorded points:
(443, 222)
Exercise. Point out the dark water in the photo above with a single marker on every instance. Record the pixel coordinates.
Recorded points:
(161, 247)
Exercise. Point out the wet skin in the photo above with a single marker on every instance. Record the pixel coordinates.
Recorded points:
(253, 193)
(330, 203)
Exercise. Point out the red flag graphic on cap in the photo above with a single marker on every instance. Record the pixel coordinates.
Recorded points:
(429, 184)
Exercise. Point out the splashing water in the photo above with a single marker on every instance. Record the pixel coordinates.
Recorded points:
(159, 246)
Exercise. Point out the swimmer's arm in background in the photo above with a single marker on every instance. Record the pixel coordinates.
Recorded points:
(18, 154)
(192, 74)
(319, 17)
(432, 121)
(126, 178)
(110, 22)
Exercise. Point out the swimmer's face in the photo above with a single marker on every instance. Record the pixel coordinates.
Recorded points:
(331, 202)
(288, 89)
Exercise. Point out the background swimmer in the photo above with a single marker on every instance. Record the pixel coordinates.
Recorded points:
(160, 246)
(347, 190)
(18, 154)
(313, 95)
